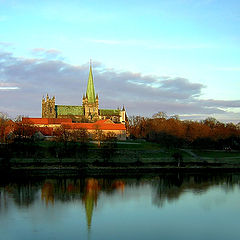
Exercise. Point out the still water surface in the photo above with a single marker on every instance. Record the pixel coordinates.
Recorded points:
(181, 206)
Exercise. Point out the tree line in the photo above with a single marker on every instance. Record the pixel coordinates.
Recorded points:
(173, 132)
(22, 140)
(15, 130)
(167, 131)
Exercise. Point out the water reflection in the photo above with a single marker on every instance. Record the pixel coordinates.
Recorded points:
(171, 187)
(90, 198)
(47, 193)
(88, 191)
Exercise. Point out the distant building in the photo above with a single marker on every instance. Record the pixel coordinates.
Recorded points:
(88, 116)
(47, 126)
(88, 112)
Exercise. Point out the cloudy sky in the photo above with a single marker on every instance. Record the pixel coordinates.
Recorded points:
(177, 56)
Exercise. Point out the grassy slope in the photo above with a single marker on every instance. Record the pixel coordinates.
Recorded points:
(218, 156)
(144, 151)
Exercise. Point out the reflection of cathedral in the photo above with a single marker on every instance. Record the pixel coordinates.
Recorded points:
(87, 190)
(90, 198)
(89, 111)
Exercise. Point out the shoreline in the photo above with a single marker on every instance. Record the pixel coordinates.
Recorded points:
(91, 170)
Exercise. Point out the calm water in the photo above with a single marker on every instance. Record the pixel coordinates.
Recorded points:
(182, 206)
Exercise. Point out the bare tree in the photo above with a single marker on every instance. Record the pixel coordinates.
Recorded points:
(98, 135)
(160, 115)
(3, 126)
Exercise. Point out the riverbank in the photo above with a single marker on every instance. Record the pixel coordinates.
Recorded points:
(122, 157)
(99, 169)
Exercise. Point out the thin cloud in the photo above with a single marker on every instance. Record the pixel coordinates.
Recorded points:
(47, 53)
(9, 88)
(220, 103)
(5, 44)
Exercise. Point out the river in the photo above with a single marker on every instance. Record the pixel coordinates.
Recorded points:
(166, 206)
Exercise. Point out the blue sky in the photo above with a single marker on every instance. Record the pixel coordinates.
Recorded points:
(198, 41)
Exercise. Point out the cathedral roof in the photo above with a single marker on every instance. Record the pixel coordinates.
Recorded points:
(109, 112)
(90, 88)
(69, 110)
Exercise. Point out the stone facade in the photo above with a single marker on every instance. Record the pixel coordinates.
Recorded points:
(88, 112)
(91, 111)
(48, 107)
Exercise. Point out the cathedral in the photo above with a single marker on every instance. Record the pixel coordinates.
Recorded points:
(88, 112)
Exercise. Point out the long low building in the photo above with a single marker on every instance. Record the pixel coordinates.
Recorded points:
(105, 126)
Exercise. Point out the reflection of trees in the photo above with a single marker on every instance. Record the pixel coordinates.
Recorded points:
(23, 193)
(119, 185)
(47, 193)
(3, 200)
(170, 187)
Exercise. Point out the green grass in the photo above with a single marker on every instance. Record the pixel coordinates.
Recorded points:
(216, 154)
(128, 151)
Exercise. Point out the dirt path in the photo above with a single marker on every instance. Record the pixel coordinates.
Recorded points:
(192, 154)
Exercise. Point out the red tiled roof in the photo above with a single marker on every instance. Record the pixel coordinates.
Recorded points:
(46, 131)
(111, 126)
(59, 120)
(106, 121)
(34, 120)
(94, 126)
(46, 121)
(106, 124)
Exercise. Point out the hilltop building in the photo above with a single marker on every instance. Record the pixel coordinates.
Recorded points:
(88, 112)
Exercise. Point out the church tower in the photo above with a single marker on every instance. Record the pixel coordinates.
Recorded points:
(48, 107)
(90, 100)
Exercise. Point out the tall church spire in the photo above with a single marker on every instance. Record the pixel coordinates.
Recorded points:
(90, 94)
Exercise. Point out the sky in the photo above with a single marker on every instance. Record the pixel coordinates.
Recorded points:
(181, 57)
